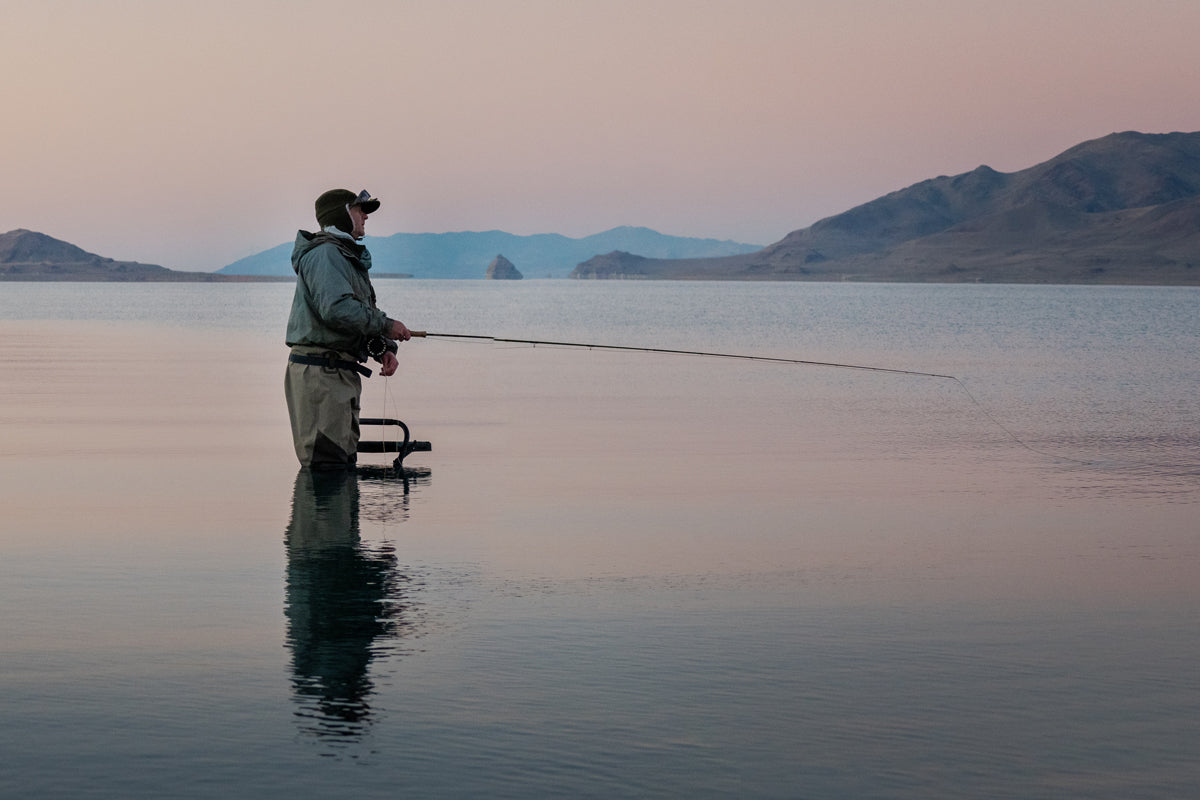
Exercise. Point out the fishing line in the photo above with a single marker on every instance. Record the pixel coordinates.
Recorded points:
(386, 386)
(535, 342)
(1012, 435)
(744, 357)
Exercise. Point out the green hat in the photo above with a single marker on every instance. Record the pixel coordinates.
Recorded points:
(333, 207)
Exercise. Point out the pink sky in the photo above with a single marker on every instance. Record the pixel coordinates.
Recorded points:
(191, 134)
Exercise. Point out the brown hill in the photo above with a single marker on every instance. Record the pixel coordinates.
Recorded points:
(31, 256)
(1121, 209)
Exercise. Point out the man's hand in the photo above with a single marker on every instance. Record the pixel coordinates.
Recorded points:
(398, 331)
(389, 364)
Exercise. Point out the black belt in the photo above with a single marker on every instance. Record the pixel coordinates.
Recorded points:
(330, 361)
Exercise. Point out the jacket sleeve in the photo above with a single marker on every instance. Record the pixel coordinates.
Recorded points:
(330, 281)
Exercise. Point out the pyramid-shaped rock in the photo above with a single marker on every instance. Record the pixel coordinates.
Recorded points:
(501, 269)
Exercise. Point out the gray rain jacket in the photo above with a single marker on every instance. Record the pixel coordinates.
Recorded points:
(334, 304)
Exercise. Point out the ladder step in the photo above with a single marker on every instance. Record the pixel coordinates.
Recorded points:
(394, 447)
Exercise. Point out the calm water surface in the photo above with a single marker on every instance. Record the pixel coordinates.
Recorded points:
(616, 574)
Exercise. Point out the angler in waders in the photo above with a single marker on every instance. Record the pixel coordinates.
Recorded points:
(333, 329)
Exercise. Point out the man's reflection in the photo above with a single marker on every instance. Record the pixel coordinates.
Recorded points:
(345, 600)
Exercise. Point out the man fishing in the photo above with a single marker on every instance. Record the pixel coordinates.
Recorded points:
(334, 327)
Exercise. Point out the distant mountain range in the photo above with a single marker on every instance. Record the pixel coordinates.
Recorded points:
(468, 254)
(1123, 209)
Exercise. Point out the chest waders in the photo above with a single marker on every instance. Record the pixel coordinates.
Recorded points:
(323, 390)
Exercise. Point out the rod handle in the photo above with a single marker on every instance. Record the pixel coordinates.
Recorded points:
(417, 334)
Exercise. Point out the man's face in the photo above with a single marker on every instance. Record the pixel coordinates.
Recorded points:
(359, 218)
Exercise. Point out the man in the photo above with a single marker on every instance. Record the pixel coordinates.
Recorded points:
(333, 328)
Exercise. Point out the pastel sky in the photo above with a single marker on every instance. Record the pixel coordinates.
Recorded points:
(191, 133)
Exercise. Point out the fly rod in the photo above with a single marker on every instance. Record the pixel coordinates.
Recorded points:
(427, 334)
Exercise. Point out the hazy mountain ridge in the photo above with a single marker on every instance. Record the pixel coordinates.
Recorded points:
(466, 254)
(1120, 209)
(1124, 208)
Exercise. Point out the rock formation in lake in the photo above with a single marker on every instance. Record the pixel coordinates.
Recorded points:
(615, 265)
(1123, 209)
(501, 269)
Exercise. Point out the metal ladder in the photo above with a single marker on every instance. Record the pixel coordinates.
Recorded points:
(401, 448)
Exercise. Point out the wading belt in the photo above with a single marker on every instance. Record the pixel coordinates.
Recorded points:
(329, 361)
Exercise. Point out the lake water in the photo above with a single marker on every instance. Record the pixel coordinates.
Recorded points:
(616, 574)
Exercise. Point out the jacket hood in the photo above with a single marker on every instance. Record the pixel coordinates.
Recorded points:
(306, 241)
